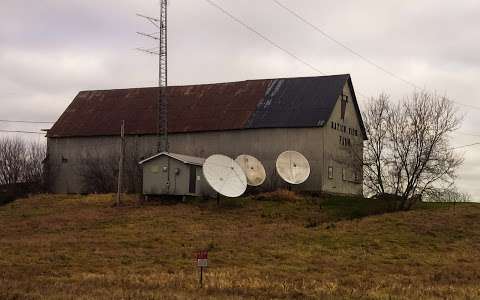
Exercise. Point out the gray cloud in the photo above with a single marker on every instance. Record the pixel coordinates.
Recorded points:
(51, 49)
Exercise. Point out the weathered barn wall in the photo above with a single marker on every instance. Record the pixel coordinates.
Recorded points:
(319, 145)
(66, 154)
(339, 156)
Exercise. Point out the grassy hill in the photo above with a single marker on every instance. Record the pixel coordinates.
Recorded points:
(74, 247)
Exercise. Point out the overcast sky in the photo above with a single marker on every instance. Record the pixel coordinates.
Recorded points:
(52, 49)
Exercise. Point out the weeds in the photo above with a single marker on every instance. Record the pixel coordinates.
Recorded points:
(68, 247)
(279, 195)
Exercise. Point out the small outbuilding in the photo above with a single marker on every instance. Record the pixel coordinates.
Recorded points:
(174, 174)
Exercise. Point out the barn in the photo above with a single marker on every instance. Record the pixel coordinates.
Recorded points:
(317, 116)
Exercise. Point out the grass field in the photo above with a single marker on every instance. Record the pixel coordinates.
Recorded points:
(80, 247)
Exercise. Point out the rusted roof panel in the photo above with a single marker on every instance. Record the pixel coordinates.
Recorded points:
(293, 102)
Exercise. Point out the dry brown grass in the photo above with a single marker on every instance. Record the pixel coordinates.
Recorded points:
(280, 195)
(68, 247)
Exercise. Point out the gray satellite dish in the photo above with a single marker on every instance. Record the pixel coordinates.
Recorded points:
(225, 176)
(293, 167)
(253, 169)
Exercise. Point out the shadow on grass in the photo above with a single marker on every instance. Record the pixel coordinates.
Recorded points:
(6, 198)
(12, 192)
(350, 208)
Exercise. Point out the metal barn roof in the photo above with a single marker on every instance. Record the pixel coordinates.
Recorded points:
(252, 104)
(186, 159)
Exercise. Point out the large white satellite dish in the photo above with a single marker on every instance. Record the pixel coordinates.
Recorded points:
(253, 169)
(225, 176)
(293, 167)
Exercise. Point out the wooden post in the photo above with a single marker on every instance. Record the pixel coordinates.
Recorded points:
(121, 163)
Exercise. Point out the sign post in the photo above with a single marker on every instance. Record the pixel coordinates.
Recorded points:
(202, 262)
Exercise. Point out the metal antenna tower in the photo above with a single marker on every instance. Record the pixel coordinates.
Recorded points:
(161, 105)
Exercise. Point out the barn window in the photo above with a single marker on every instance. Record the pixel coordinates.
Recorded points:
(345, 98)
(344, 174)
(330, 172)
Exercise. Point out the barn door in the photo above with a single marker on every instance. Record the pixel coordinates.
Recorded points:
(193, 180)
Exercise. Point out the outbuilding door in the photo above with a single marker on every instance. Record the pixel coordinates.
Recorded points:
(193, 180)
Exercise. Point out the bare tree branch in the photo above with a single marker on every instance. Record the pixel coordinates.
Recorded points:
(408, 152)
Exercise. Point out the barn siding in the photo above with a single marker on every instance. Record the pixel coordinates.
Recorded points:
(341, 157)
(265, 144)
(320, 146)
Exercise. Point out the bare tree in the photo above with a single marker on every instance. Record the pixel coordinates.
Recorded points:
(99, 169)
(12, 160)
(375, 118)
(35, 154)
(449, 195)
(21, 165)
(99, 173)
(133, 172)
(408, 153)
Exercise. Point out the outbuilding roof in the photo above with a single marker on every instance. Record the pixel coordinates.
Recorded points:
(270, 103)
(186, 159)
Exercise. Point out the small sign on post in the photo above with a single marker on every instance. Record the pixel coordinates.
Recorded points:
(202, 262)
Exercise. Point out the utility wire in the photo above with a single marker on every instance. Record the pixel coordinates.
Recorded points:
(26, 122)
(468, 134)
(21, 131)
(465, 146)
(271, 42)
(264, 37)
(367, 60)
(328, 36)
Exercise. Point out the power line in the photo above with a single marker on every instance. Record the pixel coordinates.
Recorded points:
(271, 42)
(264, 37)
(468, 134)
(465, 146)
(26, 122)
(367, 60)
(21, 131)
(328, 36)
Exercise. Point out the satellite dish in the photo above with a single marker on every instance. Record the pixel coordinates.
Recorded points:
(225, 176)
(253, 169)
(293, 167)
